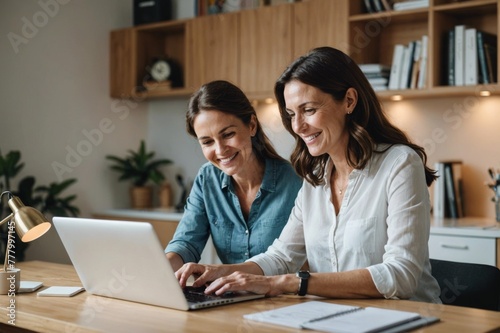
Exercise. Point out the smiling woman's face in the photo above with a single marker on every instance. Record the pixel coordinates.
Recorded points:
(225, 140)
(317, 118)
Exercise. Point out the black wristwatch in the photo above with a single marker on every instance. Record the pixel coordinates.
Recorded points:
(304, 279)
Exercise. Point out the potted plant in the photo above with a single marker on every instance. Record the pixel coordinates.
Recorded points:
(141, 168)
(47, 199)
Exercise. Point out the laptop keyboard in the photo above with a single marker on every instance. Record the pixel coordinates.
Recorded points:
(197, 295)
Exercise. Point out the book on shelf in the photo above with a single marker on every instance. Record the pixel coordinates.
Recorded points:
(407, 66)
(459, 55)
(374, 68)
(486, 43)
(377, 75)
(491, 60)
(369, 6)
(397, 66)
(415, 70)
(378, 81)
(410, 4)
(470, 59)
(379, 87)
(422, 75)
(450, 58)
(387, 4)
(377, 5)
(210, 7)
(448, 190)
(339, 318)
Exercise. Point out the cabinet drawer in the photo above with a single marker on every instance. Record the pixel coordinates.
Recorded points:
(463, 249)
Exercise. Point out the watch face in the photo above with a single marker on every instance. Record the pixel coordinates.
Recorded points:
(160, 71)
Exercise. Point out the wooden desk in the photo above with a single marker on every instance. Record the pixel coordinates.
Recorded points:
(88, 313)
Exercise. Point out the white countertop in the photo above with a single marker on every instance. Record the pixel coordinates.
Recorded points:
(466, 226)
(153, 213)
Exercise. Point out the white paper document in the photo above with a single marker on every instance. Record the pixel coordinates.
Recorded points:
(338, 318)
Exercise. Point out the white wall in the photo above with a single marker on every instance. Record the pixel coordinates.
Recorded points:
(55, 89)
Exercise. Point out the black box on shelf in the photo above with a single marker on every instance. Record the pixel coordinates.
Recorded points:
(150, 11)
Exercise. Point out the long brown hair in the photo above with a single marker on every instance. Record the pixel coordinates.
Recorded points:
(334, 72)
(225, 97)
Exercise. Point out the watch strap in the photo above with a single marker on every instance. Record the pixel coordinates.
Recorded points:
(303, 282)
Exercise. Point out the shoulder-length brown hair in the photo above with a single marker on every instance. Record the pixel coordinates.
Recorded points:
(225, 97)
(333, 72)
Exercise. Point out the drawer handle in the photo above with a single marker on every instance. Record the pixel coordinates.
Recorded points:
(456, 247)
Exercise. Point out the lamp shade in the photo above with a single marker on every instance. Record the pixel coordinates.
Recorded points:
(30, 223)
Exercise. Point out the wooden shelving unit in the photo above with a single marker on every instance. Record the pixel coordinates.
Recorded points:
(251, 48)
(372, 37)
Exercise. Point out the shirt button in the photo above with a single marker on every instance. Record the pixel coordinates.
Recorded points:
(246, 232)
(246, 253)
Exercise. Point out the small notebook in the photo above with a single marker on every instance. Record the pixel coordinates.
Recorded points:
(60, 291)
(329, 317)
(29, 286)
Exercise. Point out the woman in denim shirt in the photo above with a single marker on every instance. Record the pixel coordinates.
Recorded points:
(244, 195)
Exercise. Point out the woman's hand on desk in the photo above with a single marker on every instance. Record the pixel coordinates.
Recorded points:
(258, 284)
(203, 274)
(208, 274)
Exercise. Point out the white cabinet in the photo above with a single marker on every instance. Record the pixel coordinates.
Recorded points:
(475, 240)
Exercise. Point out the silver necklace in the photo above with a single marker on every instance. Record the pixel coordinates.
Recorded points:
(342, 190)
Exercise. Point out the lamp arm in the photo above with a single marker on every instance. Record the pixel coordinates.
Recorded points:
(7, 218)
(9, 193)
(6, 259)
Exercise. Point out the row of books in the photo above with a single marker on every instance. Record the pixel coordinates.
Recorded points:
(448, 190)
(375, 6)
(409, 65)
(377, 75)
(471, 56)
(209, 7)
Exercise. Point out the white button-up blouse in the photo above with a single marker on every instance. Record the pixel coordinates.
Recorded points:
(383, 225)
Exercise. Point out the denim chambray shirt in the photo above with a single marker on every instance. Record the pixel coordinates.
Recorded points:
(213, 208)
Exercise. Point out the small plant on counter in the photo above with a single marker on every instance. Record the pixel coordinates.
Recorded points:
(140, 168)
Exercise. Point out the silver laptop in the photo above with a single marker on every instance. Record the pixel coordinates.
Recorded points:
(125, 260)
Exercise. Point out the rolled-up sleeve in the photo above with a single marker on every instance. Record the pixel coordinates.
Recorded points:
(408, 224)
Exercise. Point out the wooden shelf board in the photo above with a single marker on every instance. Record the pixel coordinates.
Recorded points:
(395, 16)
(467, 7)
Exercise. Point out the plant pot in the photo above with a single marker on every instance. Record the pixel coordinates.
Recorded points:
(165, 196)
(141, 197)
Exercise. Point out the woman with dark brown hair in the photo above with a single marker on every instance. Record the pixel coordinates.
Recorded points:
(243, 195)
(362, 217)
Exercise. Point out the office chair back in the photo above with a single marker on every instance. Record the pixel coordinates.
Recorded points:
(468, 284)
